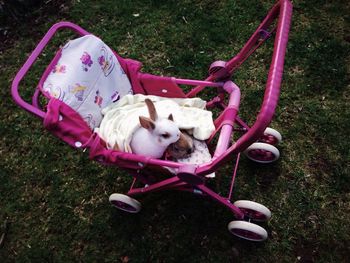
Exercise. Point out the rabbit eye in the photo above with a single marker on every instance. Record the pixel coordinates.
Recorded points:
(165, 135)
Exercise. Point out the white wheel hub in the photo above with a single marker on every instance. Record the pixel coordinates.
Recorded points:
(247, 230)
(262, 152)
(271, 136)
(253, 210)
(125, 203)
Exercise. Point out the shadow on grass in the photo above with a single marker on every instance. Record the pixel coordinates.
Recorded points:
(171, 216)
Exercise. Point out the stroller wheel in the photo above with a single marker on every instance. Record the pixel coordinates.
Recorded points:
(125, 203)
(262, 152)
(247, 230)
(253, 210)
(271, 136)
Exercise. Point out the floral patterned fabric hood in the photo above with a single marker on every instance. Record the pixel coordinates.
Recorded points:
(87, 77)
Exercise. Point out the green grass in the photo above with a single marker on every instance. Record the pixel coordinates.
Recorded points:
(57, 200)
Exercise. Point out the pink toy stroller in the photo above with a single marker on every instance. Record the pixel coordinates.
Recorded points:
(257, 142)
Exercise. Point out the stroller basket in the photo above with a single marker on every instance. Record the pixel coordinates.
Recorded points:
(68, 125)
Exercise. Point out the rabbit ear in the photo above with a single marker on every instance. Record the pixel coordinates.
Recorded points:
(147, 123)
(171, 117)
(151, 109)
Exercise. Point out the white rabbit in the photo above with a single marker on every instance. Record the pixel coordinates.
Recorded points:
(155, 134)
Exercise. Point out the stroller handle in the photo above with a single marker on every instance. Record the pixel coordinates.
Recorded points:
(30, 61)
(272, 90)
(274, 79)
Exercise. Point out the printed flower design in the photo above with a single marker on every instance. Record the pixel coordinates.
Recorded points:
(102, 61)
(115, 96)
(59, 69)
(86, 60)
(54, 91)
(57, 93)
(78, 91)
(98, 99)
(106, 61)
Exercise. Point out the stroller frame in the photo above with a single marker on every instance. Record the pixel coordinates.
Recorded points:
(192, 177)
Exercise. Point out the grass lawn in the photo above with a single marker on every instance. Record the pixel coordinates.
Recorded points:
(56, 199)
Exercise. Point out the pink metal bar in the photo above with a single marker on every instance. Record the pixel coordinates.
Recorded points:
(138, 176)
(235, 62)
(155, 187)
(30, 61)
(192, 93)
(242, 123)
(144, 160)
(191, 190)
(238, 213)
(226, 130)
(245, 52)
(234, 176)
(213, 102)
(132, 184)
(181, 186)
(273, 82)
(198, 82)
(271, 92)
(35, 98)
(249, 53)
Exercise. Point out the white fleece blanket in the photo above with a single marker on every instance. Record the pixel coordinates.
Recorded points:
(121, 119)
